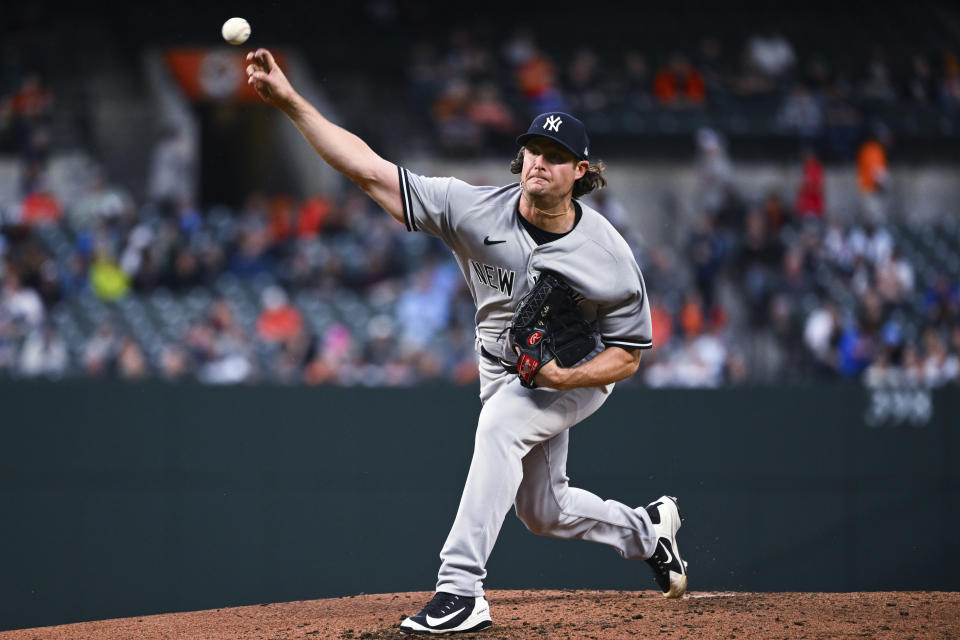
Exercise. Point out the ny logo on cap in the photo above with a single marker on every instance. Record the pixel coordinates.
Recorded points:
(553, 123)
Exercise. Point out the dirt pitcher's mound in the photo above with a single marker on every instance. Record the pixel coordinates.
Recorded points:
(523, 615)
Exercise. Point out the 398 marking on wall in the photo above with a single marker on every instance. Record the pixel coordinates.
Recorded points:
(899, 406)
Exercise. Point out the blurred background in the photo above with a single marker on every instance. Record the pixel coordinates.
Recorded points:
(227, 377)
(788, 180)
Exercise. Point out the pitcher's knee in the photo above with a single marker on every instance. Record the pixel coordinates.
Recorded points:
(495, 432)
(540, 519)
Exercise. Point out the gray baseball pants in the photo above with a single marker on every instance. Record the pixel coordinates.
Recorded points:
(520, 458)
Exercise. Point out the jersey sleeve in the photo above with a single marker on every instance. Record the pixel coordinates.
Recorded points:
(626, 322)
(435, 206)
(425, 202)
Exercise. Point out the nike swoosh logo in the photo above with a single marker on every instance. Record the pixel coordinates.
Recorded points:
(433, 622)
(488, 241)
(666, 548)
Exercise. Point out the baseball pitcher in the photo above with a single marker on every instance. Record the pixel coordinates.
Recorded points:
(562, 315)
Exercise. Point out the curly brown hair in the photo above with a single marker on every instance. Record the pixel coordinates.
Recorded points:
(593, 180)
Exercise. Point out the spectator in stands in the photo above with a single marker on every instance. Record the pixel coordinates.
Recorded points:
(821, 335)
(44, 353)
(279, 220)
(758, 263)
(107, 280)
(296, 351)
(451, 112)
(382, 364)
(585, 89)
(855, 350)
(783, 325)
(33, 101)
(620, 217)
(776, 213)
(8, 343)
(714, 187)
(74, 278)
(950, 81)
(810, 196)
(895, 280)
(877, 85)
(29, 112)
(172, 175)
(423, 309)
(920, 86)
(770, 53)
(312, 215)
(21, 305)
(174, 362)
(102, 203)
(250, 258)
(714, 67)
(145, 269)
(131, 361)
(692, 318)
(939, 365)
(465, 59)
(954, 346)
(488, 110)
(873, 176)
(700, 361)
(801, 114)
(279, 321)
(332, 361)
(424, 77)
(662, 321)
(941, 301)
(636, 82)
(185, 272)
(706, 251)
(100, 351)
(678, 84)
(841, 122)
(212, 258)
(220, 347)
(667, 277)
(535, 74)
(40, 208)
(795, 282)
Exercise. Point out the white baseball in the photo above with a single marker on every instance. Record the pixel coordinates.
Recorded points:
(235, 30)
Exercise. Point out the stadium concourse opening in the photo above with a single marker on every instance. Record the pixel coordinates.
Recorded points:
(238, 154)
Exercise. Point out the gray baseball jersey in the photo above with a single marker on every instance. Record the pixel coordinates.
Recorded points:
(520, 449)
(501, 262)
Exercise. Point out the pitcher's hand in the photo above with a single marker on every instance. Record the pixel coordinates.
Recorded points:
(265, 76)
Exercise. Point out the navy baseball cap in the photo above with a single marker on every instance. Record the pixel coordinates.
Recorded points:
(563, 128)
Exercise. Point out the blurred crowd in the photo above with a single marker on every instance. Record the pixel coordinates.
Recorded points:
(331, 290)
(473, 90)
(775, 290)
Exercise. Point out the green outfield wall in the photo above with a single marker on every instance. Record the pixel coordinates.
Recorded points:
(122, 500)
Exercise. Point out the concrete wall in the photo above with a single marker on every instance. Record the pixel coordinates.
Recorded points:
(122, 500)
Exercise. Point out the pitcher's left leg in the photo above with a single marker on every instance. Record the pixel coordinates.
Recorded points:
(548, 506)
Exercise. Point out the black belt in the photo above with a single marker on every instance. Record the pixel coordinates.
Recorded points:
(489, 356)
(507, 366)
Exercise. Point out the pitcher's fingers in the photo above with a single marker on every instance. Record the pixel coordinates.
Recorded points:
(260, 59)
(270, 63)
